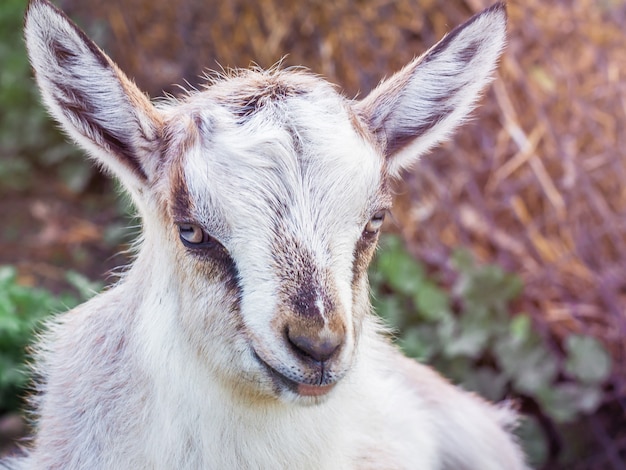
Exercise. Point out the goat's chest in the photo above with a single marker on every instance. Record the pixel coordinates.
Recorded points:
(227, 442)
(316, 438)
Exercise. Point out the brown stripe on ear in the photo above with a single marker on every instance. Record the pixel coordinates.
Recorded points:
(91, 98)
(150, 128)
(96, 51)
(398, 138)
(468, 52)
(63, 55)
(472, 47)
(375, 109)
(76, 105)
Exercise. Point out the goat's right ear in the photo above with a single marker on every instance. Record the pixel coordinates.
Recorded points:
(97, 105)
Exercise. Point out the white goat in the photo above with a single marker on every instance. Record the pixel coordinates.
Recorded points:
(242, 337)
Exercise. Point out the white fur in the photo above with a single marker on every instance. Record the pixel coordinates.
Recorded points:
(162, 371)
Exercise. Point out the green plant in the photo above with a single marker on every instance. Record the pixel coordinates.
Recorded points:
(28, 138)
(22, 312)
(470, 335)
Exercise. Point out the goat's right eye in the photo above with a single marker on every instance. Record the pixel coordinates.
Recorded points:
(192, 234)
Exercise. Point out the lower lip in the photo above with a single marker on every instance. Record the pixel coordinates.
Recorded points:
(314, 390)
(304, 390)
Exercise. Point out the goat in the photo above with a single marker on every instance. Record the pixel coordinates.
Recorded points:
(242, 335)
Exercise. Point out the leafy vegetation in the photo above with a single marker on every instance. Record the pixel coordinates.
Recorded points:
(469, 334)
(22, 312)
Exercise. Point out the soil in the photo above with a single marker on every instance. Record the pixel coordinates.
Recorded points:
(48, 230)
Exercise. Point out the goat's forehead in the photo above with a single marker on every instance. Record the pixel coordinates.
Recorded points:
(278, 149)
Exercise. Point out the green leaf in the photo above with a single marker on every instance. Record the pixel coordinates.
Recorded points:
(9, 326)
(399, 269)
(463, 261)
(389, 307)
(587, 360)
(564, 402)
(419, 343)
(471, 334)
(432, 302)
(487, 382)
(7, 275)
(530, 365)
(456, 369)
(520, 328)
(488, 287)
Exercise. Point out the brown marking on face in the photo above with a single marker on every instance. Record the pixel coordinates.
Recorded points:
(179, 201)
(179, 135)
(211, 261)
(257, 92)
(214, 265)
(362, 256)
(299, 279)
(302, 285)
(366, 245)
(362, 129)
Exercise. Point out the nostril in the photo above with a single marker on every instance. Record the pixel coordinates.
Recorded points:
(320, 349)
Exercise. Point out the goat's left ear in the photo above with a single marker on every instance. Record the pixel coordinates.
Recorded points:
(97, 105)
(422, 104)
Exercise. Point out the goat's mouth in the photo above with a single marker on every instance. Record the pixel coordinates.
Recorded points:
(299, 388)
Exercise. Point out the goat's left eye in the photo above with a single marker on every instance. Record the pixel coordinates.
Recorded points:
(191, 234)
(375, 223)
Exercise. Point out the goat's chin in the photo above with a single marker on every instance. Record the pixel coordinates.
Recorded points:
(295, 389)
(292, 398)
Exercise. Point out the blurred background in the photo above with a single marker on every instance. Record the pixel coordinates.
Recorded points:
(505, 264)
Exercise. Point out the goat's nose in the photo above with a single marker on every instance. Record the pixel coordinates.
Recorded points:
(320, 348)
